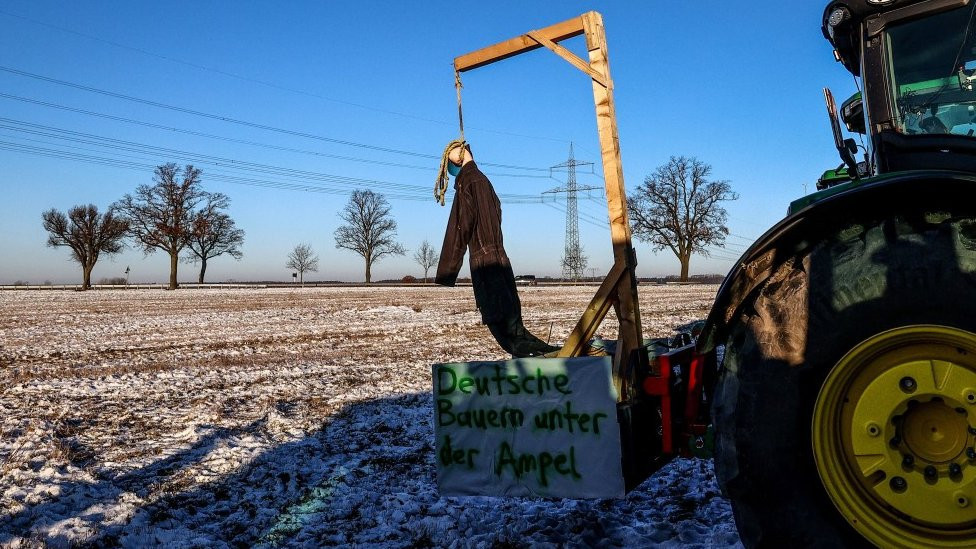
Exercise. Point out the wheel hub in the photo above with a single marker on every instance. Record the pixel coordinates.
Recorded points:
(894, 436)
(935, 432)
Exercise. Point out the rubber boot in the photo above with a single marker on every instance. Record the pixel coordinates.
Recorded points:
(512, 336)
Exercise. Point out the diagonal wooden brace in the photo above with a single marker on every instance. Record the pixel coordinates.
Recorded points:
(569, 56)
(594, 313)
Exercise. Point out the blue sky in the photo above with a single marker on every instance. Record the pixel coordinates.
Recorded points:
(736, 86)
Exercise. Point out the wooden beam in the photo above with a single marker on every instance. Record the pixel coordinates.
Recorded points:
(520, 44)
(569, 56)
(593, 315)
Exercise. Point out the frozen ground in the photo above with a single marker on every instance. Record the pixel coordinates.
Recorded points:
(269, 417)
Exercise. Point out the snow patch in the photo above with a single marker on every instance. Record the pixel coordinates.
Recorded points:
(268, 417)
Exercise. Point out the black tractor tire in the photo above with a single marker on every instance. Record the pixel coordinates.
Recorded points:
(858, 280)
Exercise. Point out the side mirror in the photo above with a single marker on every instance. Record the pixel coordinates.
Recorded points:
(852, 113)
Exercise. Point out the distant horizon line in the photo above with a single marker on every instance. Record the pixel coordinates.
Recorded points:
(710, 278)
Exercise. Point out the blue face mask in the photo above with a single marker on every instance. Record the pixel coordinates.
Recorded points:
(453, 169)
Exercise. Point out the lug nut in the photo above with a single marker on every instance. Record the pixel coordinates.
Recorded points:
(908, 384)
(961, 499)
(908, 460)
(898, 484)
(895, 441)
(972, 430)
(971, 453)
(931, 473)
(954, 470)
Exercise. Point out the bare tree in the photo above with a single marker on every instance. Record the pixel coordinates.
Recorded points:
(161, 215)
(88, 234)
(574, 262)
(370, 230)
(426, 257)
(302, 259)
(677, 207)
(214, 233)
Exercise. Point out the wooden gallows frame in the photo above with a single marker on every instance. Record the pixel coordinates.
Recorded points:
(619, 288)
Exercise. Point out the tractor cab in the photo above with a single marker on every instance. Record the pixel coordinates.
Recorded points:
(917, 61)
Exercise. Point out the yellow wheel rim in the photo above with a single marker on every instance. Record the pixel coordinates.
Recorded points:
(894, 437)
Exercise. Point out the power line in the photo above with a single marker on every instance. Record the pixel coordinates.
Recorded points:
(240, 122)
(396, 194)
(732, 246)
(271, 84)
(584, 219)
(604, 218)
(129, 165)
(131, 146)
(746, 238)
(281, 185)
(236, 140)
(720, 253)
(278, 185)
(140, 148)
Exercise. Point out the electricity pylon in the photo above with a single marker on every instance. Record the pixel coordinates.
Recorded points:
(573, 261)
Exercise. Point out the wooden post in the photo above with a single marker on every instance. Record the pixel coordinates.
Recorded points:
(619, 289)
(630, 335)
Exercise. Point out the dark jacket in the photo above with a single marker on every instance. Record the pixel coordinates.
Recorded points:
(475, 224)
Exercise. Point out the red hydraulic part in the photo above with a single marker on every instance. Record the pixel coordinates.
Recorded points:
(679, 379)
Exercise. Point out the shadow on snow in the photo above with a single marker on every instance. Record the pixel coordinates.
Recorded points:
(368, 476)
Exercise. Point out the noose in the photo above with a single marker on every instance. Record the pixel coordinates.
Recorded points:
(443, 180)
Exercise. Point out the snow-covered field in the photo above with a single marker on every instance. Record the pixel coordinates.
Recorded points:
(266, 417)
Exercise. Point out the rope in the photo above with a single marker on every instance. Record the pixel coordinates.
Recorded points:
(458, 86)
(443, 179)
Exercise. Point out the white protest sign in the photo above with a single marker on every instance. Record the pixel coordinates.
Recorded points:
(528, 427)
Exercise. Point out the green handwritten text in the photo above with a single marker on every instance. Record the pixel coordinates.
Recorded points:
(543, 463)
(500, 383)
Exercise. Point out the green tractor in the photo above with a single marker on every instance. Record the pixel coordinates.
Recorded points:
(845, 408)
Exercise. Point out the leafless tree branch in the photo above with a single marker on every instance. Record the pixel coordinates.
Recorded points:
(370, 229)
(213, 233)
(88, 234)
(425, 256)
(303, 259)
(678, 208)
(161, 215)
